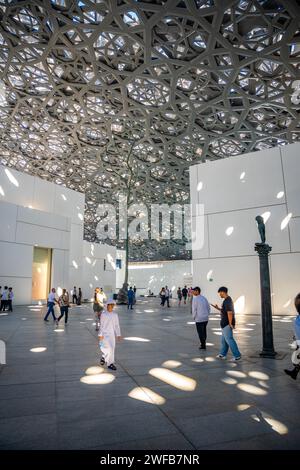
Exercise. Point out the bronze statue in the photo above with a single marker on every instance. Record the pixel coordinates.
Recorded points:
(261, 228)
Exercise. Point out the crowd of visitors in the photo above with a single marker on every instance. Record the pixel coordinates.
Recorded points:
(108, 328)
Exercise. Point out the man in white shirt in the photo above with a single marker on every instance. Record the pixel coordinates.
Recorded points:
(200, 312)
(4, 299)
(51, 302)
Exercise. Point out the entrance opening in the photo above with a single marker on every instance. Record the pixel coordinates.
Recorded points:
(41, 272)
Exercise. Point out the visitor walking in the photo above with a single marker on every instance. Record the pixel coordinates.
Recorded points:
(64, 303)
(184, 294)
(167, 291)
(4, 299)
(227, 324)
(79, 298)
(74, 296)
(10, 299)
(162, 295)
(131, 297)
(98, 305)
(296, 354)
(179, 296)
(50, 304)
(109, 330)
(200, 312)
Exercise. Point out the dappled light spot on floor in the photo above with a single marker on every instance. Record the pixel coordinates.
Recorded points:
(263, 384)
(236, 373)
(166, 319)
(37, 350)
(59, 330)
(171, 364)
(98, 379)
(149, 311)
(243, 407)
(190, 323)
(229, 381)
(210, 359)
(137, 339)
(198, 359)
(94, 370)
(244, 329)
(258, 375)
(146, 395)
(251, 324)
(173, 378)
(89, 319)
(216, 329)
(252, 389)
(218, 333)
(3, 314)
(276, 425)
(23, 319)
(210, 344)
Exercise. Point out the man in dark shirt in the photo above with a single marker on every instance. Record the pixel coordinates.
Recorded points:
(227, 324)
(184, 293)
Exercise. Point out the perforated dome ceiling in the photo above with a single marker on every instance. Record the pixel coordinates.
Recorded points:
(178, 81)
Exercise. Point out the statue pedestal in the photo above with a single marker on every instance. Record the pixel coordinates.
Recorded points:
(122, 295)
(263, 251)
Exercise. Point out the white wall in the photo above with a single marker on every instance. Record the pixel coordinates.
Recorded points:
(155, 275)
(37, 212)
(94, 274)
(234, 191)
(22, 229)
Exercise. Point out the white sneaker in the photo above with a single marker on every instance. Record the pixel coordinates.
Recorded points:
(235, 359)
(219, 356)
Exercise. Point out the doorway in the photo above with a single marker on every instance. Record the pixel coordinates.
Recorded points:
(41, 272)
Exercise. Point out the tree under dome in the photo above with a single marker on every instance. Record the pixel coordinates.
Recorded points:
(84, 83)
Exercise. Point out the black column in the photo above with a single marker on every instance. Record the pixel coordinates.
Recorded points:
(263, 251)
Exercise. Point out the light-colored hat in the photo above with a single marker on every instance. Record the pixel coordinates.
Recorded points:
(111, 301)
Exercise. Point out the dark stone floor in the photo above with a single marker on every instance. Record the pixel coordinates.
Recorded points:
(210, 404)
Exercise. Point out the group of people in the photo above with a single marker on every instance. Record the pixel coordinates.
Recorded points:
(201, 310)
(182, 294)
(76, 298)
(165, 295)
(63, 301)
(108, 327)
(6, 296)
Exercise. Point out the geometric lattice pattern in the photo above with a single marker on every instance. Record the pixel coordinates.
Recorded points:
(180, 81)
